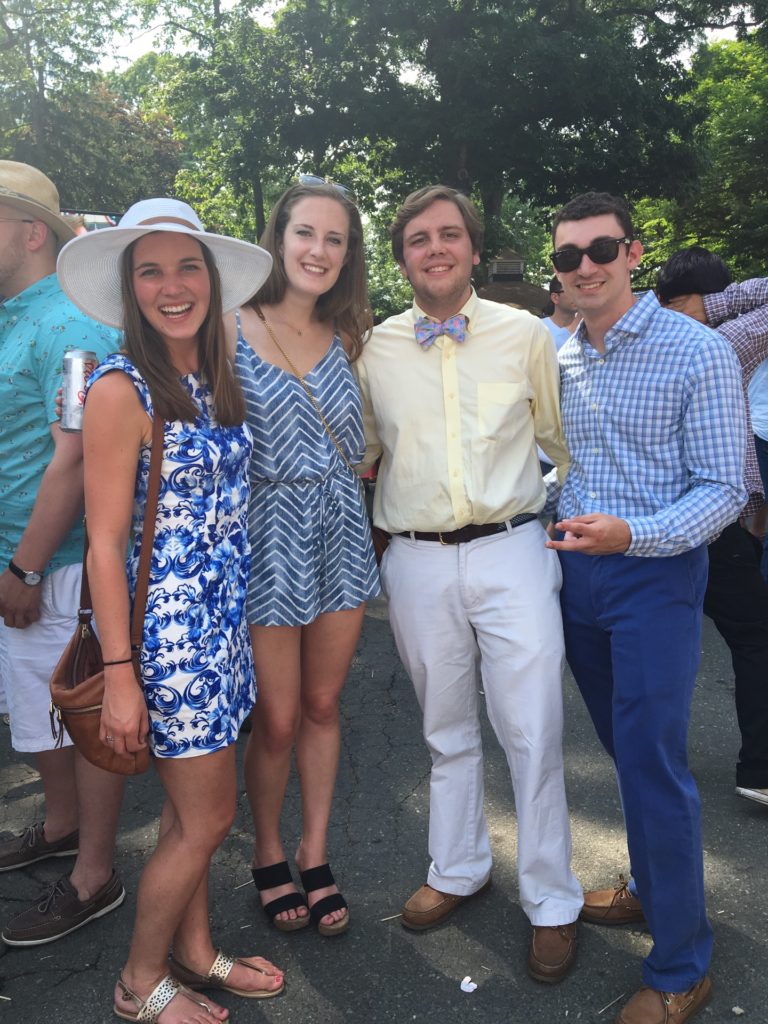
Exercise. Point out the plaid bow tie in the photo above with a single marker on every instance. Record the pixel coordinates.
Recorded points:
(427, 330)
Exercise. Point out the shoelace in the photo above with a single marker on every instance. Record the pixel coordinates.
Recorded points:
(623, 885)
(667, 997)
(29, 835)
(49, 896)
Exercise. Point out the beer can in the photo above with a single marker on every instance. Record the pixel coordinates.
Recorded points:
(77, 368)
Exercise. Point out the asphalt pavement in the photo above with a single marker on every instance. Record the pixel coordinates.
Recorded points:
(377, 972)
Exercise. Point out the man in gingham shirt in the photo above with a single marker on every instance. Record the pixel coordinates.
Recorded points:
(654, 418)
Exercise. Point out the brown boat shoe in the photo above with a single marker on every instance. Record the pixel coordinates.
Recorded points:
(552, 952)
(429, 907)
(649, 1006)
(30, 845)
(612, 906)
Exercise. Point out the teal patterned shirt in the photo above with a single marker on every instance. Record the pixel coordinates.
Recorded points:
(36, 328)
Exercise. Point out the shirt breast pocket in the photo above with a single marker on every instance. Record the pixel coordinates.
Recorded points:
(501, 407)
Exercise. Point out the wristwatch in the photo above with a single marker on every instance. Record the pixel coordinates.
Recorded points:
(31, 578)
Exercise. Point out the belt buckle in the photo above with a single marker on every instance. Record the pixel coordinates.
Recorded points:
(440, 537)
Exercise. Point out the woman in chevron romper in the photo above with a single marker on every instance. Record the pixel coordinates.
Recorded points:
(312, 567)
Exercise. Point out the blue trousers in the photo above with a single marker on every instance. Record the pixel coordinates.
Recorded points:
(632, 640)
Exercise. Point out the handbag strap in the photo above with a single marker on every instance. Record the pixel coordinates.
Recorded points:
(145, 556)
(308, 390)
(147, 541)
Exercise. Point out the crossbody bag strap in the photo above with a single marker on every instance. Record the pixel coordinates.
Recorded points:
(147, 543)
(145, 558)
(308, 390)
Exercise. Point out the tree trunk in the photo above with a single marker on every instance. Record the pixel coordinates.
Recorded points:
(258, 205)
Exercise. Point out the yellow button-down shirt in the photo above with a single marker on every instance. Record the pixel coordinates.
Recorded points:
(456, 424)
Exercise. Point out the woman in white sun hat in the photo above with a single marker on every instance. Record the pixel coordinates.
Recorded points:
(166, 282)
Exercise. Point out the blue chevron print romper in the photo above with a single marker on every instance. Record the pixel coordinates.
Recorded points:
(310, 539)
(196, 662)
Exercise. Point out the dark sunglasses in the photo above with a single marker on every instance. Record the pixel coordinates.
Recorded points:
(604, 250)
(313, 179)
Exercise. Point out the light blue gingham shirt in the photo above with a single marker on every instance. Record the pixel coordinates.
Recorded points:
(656, 429)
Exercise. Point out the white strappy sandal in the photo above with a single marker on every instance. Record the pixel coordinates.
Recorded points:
(216, 978)
(149, 1009)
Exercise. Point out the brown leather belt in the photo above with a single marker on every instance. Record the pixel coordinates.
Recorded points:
(471, 532)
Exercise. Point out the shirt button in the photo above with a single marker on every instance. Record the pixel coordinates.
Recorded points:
(594, 406)
(451, 394)
(601, 361)
(455, 472)
(596, 450)
(593, 494)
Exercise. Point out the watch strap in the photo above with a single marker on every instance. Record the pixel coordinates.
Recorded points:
(22, 574)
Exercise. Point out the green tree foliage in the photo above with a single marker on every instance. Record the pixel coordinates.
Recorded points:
(726, 208)
(540, 99)
(58, 113)
(729, 208)
(46, 51)
(231, 96)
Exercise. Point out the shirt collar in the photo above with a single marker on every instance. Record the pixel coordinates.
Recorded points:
(18, 304)
(469, 310)
(634, 322)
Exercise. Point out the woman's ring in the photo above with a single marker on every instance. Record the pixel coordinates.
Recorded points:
(110, 739)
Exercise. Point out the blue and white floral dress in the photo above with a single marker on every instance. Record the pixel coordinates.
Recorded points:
(196, 661)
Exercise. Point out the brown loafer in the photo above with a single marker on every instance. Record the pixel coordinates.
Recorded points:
(552, 952)
(612, 906)
(648, 1006)
(429, 907)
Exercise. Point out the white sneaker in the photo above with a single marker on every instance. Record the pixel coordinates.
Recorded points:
(760, 796)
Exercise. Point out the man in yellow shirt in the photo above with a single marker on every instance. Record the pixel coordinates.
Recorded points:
(456, 392)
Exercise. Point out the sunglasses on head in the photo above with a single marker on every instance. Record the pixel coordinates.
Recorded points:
(313, 179)
(604, 250)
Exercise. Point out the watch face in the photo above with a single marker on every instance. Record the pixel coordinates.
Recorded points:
(31, 578)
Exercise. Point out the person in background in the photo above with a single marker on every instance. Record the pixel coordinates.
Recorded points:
(696, 282)
(456, 391)
(758, 403)
(41, 548)
(564, 319)
(653, 413)
(313, 566)
(165, 281)
(561, 324)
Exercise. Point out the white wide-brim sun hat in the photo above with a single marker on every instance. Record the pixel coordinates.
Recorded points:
(88, 267)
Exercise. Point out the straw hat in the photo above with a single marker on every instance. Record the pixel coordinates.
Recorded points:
(89, 266)
(28, 190)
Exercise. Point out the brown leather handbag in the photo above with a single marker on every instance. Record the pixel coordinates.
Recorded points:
(77, 683)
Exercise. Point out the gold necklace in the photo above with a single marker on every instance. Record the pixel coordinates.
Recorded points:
(311, 397)
(296, 329)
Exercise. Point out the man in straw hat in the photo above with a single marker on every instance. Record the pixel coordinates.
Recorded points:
(41, 543)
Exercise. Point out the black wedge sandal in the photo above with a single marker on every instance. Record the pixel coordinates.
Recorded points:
(320, 878)
(269, 878)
